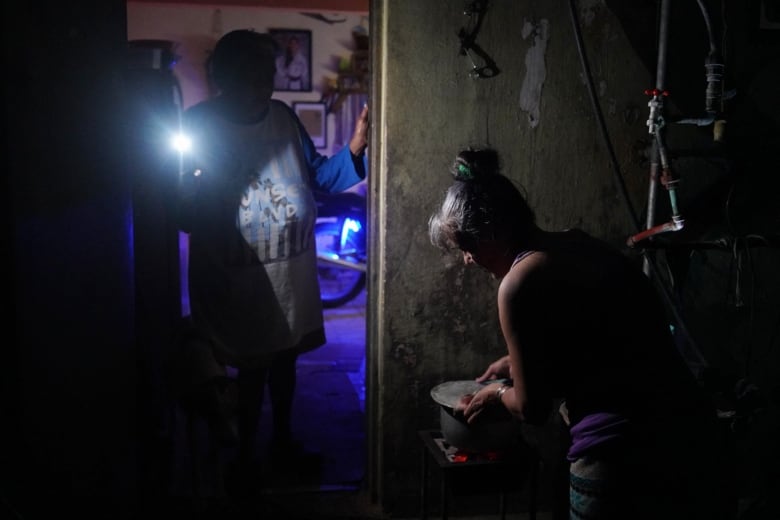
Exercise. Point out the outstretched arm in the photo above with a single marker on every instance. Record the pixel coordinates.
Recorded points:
(517, 327)
(519, 306)
(345, 168)
(359, 141)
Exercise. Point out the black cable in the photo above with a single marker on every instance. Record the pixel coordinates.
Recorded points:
(710, 35)
(600, 117)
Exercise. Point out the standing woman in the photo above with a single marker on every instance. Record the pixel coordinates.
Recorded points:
(582, 323)
(247, 204)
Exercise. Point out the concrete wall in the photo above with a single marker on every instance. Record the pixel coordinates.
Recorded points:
(439, 319)
(431, 319)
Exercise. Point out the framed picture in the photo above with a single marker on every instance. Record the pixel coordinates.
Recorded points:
(293, 62)
(313, 116)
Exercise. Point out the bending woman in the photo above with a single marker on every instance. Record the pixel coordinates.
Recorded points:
(582, 323)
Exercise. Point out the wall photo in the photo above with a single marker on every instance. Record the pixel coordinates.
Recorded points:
(293, 63)
(313, 117)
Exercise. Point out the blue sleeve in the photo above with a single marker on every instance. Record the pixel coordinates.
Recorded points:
(331, 174)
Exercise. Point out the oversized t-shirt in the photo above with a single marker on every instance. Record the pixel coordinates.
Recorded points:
(248, 205)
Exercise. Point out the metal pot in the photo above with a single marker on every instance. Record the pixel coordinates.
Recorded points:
(496, 429)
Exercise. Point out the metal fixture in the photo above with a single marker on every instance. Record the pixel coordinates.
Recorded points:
(476, 10)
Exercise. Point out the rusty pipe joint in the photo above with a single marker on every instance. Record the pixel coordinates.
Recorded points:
(676, 224)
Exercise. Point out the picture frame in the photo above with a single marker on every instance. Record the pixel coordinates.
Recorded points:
(313, 117)
(293, 60)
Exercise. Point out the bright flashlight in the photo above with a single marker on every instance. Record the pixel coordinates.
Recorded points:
(181, 143)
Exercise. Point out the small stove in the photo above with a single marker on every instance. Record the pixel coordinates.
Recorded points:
(456, 455)
(465, 473)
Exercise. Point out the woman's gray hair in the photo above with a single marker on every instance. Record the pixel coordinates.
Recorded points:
(481, 204)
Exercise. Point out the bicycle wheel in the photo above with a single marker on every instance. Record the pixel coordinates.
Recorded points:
(338, 285)
(340, 264)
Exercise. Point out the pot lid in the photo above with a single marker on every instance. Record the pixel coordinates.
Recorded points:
(449, 393)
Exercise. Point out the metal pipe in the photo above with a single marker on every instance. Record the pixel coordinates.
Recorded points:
(652, 192)
(663, 43)
(656, 106)
(672, 225)
(659, 162)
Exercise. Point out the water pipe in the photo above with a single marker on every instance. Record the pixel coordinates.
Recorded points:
(693, 357)
(656, 105)
(660, 167)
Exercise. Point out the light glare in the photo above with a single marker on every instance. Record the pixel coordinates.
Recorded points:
(181, 143)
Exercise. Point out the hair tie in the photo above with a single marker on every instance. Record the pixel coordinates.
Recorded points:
(464, 172)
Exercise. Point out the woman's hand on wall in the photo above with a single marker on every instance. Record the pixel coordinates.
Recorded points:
(359, 141)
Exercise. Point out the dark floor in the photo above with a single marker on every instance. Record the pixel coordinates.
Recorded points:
(328, 418)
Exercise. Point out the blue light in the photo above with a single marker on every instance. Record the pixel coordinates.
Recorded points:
(350, 226)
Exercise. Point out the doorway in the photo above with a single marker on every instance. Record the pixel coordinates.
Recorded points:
(329, 405)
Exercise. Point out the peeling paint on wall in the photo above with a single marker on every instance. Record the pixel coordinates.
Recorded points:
(531, 90)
